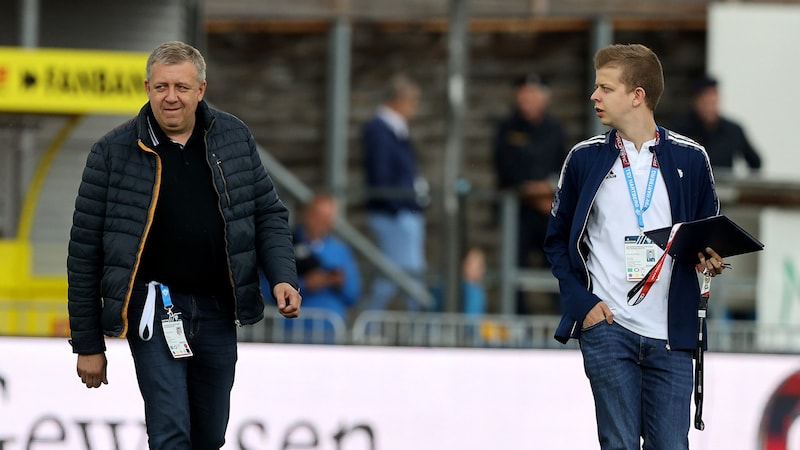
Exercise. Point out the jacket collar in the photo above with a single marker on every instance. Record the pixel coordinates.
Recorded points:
(611, 137)
(147, 129)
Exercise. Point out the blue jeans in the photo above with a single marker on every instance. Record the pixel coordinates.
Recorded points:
(641, 389)
(187, 400)
(401, 238)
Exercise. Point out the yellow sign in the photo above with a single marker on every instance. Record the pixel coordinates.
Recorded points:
(71, 81)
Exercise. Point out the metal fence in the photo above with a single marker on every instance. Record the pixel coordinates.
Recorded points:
(454, 330)
(315, 326)
(395, 328)
(424, 329)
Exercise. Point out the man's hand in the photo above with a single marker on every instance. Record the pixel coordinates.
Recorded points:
(597, 314)
(715, 264)
(336, 278)
(318, 279)
(92, 369)
(288, 299)
(538, 194)
(315, 279)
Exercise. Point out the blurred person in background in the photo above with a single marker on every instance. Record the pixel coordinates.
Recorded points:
(723, 139)
(529, 147)
(174, 217)
(473, 289)
(397, 192)
(329, 277)
(473, 274)
(638, 176)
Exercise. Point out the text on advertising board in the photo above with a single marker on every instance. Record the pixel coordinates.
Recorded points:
(71, 81)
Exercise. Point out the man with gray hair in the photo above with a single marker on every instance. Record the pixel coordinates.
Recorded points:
(175, 215)
(397, 193)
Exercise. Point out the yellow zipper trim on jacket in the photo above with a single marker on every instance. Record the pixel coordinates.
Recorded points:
(150, 214)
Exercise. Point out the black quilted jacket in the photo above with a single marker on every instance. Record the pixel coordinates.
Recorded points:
(114, 210)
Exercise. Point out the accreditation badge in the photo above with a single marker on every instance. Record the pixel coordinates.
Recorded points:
(175, 337)
(641, 255)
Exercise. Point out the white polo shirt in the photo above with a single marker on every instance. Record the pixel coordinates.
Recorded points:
(611, 219)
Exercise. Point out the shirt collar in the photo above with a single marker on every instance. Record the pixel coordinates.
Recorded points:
(157, 134)
(630, 147)
(396, 122)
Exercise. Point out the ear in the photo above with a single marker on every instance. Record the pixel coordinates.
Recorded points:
(202, 90)
(639, 96)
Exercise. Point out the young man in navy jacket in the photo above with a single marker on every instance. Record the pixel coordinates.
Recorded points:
(613, 187)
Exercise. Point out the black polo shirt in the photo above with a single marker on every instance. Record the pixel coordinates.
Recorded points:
(185, 248)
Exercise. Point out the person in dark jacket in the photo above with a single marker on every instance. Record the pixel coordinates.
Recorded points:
(174, 217)
(397, 191)
(529, 147)
(613, 187)
(723, 139)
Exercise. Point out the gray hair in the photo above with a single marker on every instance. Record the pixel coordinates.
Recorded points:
(399, 86)
(176, 52)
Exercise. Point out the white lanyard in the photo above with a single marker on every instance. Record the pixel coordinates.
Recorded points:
(149, 312)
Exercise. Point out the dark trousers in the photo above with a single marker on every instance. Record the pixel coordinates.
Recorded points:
(187, 400)
(530, 252)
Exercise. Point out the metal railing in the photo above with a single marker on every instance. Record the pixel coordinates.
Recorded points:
(315, 326)
(397, 328)
(455, 330)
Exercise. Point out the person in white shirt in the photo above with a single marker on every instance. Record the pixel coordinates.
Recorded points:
(613, 187)
(396, 191)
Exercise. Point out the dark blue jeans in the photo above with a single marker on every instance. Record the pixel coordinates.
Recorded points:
(641, 389)
(187, 400)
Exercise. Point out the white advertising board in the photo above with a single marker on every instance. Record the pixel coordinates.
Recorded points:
(752, 49)
(778, 304)
(354, 398)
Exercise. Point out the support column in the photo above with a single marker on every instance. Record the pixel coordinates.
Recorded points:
(195, 33)
(509, 214)
(338, 116)
(25, 138)
(602, 34)
(458, 56)
(10, 208)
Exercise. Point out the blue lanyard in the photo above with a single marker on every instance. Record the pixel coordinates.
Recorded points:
(638, 208)
(165, 297)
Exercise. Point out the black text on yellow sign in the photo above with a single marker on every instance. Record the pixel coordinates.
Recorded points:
(71, 81)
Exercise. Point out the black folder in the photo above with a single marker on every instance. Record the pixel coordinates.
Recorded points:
(718, 232)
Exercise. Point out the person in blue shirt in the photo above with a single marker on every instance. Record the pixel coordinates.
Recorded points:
(473, 271)
(473, 288)
(329, 276)
(396, 191)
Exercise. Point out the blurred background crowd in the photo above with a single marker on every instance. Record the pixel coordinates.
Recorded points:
(479, 101)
